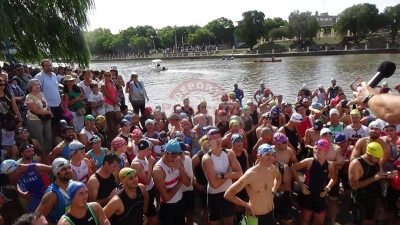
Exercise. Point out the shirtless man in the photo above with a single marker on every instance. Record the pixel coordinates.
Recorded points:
(313, 134)
(283, 152)
(266, 138)
(261, 182)
(335, 157)
(234, 127)
(266, 122)
(201, 120)
(361, 144)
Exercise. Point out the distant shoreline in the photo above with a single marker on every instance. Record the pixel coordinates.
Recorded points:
(267, 55)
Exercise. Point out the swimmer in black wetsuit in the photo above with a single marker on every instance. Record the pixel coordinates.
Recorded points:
(313, 190)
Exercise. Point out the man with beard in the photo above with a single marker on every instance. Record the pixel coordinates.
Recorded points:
(201, 120)
(81, 212)
(313, 135)
(102, 184)
(22, 138)
(189, 136)
(34, 181)
(335, 125)
(56, 201)
(374, 133)
(283, 152)
(129, 206)
(261, 183)
(355, 130)
(61, 150)
(290, 131)
(223, 123)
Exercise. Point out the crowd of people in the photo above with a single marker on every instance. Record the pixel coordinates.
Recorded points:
(73, 154)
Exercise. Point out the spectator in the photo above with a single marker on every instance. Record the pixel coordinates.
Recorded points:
(137, 94)
(8, 105)
(31, 219)
(119, 82)
(76, 101)
(22, 77)
(111, 105)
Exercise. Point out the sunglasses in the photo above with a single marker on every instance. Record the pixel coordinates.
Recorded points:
(284, 142)
(174, 153)
(107, 75)
(327, 133)
(62, 165)
(28, 146)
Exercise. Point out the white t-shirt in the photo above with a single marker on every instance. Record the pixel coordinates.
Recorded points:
(59, 77)
(86, 89)
(96, 99)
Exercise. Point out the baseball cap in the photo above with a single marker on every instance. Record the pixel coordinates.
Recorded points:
(75, 146)
(58, 164)
(304, 86)
(173, 146)
(322, 144)
(264, 148)
(90, 117)
(374, 124)
(118, 142)
(163, 136)
(236, 138)
(149, 121)
(375, 149)
(143, 144)
(126, 172)
(8, 166)
(280, 138)
(333, 111)
(148, 109)
(340, 138)
(325, 131)
(73, 188)
(213, 134)
(113, 68)
(94, 138)
(296, 117)
(100, 119)
(124, 122)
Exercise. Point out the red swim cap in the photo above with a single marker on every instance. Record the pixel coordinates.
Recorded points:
(395, 182)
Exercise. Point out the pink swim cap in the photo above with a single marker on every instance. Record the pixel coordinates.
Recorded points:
(322, 144)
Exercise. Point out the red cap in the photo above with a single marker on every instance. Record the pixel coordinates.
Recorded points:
(149, 109)
(118, 142)
(137, 132)
(395, 182)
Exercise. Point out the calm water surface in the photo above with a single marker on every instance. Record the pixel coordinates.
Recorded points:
(210, 78)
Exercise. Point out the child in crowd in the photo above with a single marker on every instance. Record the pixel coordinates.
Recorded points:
(8, 140)
(96, 100)
(67, 115)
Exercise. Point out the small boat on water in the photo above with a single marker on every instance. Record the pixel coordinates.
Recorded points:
(267, 60)
(228, 58)
(156, 67)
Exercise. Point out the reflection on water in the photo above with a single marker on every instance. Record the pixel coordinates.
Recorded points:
(214, 77)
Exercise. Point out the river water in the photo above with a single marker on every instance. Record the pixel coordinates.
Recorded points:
(210, 78)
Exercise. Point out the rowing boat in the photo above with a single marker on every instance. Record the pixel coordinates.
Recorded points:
(265, 61)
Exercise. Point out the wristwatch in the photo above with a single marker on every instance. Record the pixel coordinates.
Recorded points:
(222, 175)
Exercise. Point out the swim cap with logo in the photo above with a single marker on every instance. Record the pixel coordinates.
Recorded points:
(73, 188)
(375, 149)
(318, 125)
(355, 112)
(265, 148)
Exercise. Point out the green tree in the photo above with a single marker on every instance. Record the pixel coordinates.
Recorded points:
(201, 36)
(359, 20)
(142, 44)
(303, 25)
(167, 36)
(392, 19)
(46, 29)
(276, 33)
(270, 24)
(251, 28)
(222, 28)
(96, 39)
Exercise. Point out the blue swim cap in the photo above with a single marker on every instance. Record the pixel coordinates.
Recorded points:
(173, 146)
(265, 148)
(73, 188)
(236, 138)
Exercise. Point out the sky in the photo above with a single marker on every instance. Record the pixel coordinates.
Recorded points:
(118, 15)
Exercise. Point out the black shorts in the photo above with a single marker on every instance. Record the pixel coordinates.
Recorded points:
(363, 208)
(188, 199)
(172, 213)
(312, 202)
(57, 114)
(218, 206)
(203, 199)
(392, 197)
(267, 219)
(283, 207)
(243, 195)
(151, 209)
(334, 192)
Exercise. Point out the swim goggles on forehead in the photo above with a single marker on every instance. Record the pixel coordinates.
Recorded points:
(3, 196)
(127, 174)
